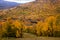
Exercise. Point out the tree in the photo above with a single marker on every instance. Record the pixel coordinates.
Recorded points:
(18, 24)
(51, 24)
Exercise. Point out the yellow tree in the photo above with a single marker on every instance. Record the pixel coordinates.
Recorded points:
(18, 24)
(39, 28)
(58, 22)
(50, 21)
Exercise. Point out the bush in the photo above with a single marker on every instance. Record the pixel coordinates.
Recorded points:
(12, 30)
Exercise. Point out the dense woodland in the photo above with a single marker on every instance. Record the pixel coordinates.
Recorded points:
(40, 18)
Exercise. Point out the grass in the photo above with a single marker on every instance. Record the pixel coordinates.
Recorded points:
(37, 38)
(28, 36)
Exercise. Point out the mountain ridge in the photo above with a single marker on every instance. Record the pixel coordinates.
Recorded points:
(7, 5)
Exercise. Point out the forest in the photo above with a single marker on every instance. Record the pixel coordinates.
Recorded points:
(34, 19)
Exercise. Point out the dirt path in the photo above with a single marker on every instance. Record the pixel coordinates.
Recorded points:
(37, 38)
(28, 36)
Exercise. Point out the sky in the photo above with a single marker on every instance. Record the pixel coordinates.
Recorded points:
(20, 1)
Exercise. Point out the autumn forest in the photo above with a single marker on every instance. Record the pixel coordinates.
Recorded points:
(40, 18)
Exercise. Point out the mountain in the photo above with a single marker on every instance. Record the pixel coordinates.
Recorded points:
(6, 4)
(34, 11)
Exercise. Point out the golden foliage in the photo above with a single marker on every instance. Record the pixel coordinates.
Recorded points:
(39, 27)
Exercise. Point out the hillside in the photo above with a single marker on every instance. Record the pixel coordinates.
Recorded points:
(37, 10)
(40, 18)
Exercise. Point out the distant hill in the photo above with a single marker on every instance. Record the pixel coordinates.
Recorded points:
(6, 4)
